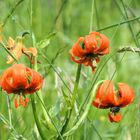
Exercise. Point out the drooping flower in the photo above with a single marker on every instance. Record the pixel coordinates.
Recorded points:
(17, 48)
(88, 49)
(107, 97)
(20, 80)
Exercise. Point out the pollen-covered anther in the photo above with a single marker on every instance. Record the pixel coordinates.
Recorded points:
(26, 100)
(16, 103)
(21, 101)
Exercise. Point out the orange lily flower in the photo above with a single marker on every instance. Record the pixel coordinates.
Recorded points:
(106, 97)
(89, 48)
(17, 49)
(20, 80)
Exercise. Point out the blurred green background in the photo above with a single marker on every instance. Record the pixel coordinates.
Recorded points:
(68, 20)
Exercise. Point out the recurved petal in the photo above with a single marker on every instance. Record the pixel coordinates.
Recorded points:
(35, 82)
(90, 42)
(115, 117)
(19, 77)
(126, 94)
(103, 43)
(30, 50)
(5, 81)
(97, 103)
(11, 43)
(79, 61)
(106, 93)
(16, 52)
(77, 49)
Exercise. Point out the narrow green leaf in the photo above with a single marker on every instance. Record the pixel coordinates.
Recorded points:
(46, 42)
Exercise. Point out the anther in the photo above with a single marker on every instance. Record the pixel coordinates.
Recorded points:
(16, 103)
(20, 100)
(26, 100)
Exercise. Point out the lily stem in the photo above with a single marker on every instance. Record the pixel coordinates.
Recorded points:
(4, 47)
(9, 112)
(76, 85)
(73, 99)
(36, 118)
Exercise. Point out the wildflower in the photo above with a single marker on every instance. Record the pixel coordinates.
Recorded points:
(88, 49)
(106, 97)
(20, 80)
(17, 48)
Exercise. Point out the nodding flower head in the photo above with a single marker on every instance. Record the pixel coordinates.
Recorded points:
(88, 49)
(106, 97)
(20, 80)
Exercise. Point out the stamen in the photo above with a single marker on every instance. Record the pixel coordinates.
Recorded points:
(20, 100)
(26, 100)
(16, 103)
(97, 59)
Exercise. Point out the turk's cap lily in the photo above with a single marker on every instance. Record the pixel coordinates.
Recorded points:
(20, 80)
(88, 49)
(107, 97)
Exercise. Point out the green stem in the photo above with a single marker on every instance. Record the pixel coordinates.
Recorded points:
(50, 118)
(67, 117)
(82, 118)
(91, 18)
(97, 16)
(2, 44)
(129, 49)
(47, 59)
(58, 14)
(35, 113)
(47, 118)
(11, 12)
(76, 85)
(73, 99)
(9, 111)
(38, 124)
(129, 25)
(117, 24)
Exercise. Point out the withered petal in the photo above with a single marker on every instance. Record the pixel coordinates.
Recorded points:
(30, 50)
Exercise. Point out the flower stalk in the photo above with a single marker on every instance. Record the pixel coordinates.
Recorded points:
(82, 118)
(39, 127)
(72, 100)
